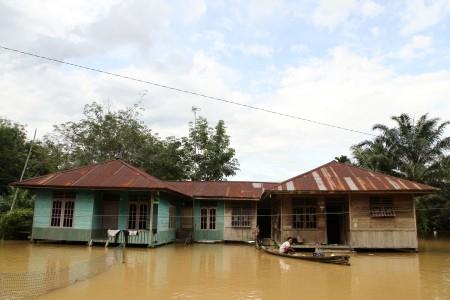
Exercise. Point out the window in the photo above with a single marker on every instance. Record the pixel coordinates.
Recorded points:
(63, 205)
(172, 213)
(241, 216)
(208, 218)
(304, 214)
(138, 211)
(381, 207)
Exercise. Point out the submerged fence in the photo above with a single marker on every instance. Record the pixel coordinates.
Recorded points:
(28, 285)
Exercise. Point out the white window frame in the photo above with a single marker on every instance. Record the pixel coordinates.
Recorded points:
(66, 202)
(208, 221)
(141, 220)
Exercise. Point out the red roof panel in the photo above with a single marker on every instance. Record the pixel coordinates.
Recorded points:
(114, 174)
(224, 189)
(339, 177)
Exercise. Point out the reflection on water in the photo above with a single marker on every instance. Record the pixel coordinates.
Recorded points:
(241, 272)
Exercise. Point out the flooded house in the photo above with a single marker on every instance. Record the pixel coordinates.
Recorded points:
(92, 203)
(223, 210)
(342, 205)
(335, 204)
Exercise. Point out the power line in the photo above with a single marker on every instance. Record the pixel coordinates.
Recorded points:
(187, 91)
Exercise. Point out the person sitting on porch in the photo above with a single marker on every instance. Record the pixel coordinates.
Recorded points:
(286, 247)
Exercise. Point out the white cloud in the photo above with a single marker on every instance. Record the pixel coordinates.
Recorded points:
(420, 15)
(255, 49)
(370, 8)
(330, 13)
(419, 45)
(342, 88)
(375, 31)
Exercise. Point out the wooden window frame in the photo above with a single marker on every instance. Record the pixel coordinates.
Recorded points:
(64, 215)
(241, 216)
(381, 207)
(304, 214)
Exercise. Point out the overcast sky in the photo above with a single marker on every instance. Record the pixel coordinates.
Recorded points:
(350, 63)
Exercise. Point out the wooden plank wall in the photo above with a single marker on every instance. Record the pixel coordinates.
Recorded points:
(388, 232)
(310, 236)
(239, 234)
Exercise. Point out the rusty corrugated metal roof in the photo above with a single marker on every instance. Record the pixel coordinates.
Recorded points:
(114, 174)
(224, 189)
(340, 177)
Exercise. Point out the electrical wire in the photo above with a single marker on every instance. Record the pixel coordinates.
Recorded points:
(187, 91)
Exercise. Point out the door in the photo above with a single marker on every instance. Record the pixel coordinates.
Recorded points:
(186, 218)
(208, 226)
(335, 222)
(110, 211)
(264, 223)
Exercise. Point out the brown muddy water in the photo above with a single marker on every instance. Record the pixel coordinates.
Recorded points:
(230, 271)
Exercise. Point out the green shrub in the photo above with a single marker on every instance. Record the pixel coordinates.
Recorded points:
(17, 224)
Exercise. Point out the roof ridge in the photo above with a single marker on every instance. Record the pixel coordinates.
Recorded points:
(224, 181)
(304, 173)
(382, 173)
(65, 171)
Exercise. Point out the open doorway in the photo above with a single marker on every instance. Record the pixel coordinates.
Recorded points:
(264, 222)
(335, 222)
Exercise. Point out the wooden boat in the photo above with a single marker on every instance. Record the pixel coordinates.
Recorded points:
(329, 259)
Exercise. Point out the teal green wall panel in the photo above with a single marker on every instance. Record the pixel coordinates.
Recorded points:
(164, 234)
(209, 234)
(61, 234)
(42, 208)
(123, 211)
(84, 210)
(97, 218)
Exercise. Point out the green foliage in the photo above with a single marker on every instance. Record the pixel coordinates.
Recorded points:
(103, 135)
(14, 148)
(343, 159)
(212, 158)
(17, 224)
(415, 150)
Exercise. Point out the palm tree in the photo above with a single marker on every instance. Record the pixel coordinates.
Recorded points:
(416, 150)
(411, 149)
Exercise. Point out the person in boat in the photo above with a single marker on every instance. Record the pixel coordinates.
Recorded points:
(286, 247)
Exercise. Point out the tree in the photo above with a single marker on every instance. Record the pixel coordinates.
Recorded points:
(343, 159)
(103, 135)
(17, 223)
(415, 150)
(14, 147)
(212, 158)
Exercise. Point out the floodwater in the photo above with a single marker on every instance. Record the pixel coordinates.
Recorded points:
(231, 271)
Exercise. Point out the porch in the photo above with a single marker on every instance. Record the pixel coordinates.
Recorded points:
(314, 221)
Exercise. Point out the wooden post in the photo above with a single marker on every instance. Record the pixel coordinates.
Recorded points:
(281, 219)
(350, 220)
(415, 220)
(125, 241)
(151, 219)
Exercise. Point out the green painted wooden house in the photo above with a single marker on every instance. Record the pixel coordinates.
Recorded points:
(87, 203)
(84, 203)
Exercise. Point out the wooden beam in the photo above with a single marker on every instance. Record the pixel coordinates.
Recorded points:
(152, 195)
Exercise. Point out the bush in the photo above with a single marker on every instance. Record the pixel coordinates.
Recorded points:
(17, 224)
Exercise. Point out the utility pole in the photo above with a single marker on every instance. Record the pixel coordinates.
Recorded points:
(195, 110)
(23, 172)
